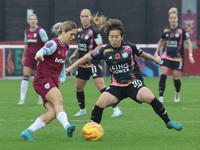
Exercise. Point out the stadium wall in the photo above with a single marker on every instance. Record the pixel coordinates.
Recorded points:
(143, 20)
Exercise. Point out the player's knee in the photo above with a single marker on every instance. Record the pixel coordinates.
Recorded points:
(149, 99)
(79, 89)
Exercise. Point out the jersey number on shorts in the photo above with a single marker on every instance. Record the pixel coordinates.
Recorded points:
(94, 69)
(137, 83)
(180, 65)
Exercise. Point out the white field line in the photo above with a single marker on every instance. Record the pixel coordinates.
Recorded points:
(137, 121)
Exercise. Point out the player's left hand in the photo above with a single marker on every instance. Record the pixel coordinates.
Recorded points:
(157, 60)
(191, 59)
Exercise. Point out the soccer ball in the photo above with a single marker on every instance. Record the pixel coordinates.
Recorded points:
(92, 131)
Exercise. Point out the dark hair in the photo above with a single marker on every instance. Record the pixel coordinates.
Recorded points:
(67, 26)
(113, 24)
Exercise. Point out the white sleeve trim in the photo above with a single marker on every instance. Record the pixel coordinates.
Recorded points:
(98, 40)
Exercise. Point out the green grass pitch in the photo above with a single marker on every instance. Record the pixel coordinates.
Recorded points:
(138, 129)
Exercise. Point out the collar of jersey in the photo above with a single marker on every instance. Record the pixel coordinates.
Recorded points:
(174, 28)
(118, 48)
(32, 30)
(59, 40)
(86, 28)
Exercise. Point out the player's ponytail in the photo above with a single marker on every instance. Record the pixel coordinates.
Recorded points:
(56, 29)
(67, 26)
(98, 21)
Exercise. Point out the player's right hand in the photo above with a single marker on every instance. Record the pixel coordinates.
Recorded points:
(67, 70)
(39, 57)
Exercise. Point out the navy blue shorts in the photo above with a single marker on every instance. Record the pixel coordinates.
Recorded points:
(128, 91)
(174, 65)
(85, 73)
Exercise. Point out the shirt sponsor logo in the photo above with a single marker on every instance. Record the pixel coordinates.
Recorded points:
(120, 68)
(172, 44)
(32, 41)
(59, 60)
(82, 47)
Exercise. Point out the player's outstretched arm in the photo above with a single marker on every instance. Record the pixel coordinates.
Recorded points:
(82, 60)
(147, 56)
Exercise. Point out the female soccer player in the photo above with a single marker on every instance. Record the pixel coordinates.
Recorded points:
(173, 53)
(89, 39)
(125, 74)
(35, 37)
(51, 59)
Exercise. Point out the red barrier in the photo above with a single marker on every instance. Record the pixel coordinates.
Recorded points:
(1, 63)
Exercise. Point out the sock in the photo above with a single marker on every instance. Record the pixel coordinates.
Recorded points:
(115, 107)
(162, 84)
(83, 110)
(97, 114)
(81, 99)
(24, 87)
(39, 97)
(177, 84)
(62, 117)
(160, 110)
(102, 90)
(38, 124)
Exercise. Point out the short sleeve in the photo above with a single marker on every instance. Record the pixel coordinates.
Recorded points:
(43, 35)
(50, 47)
(136, 49)
(185, 34)
(98, 39)
(162, 35)
(98, 54)
(25, 38)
